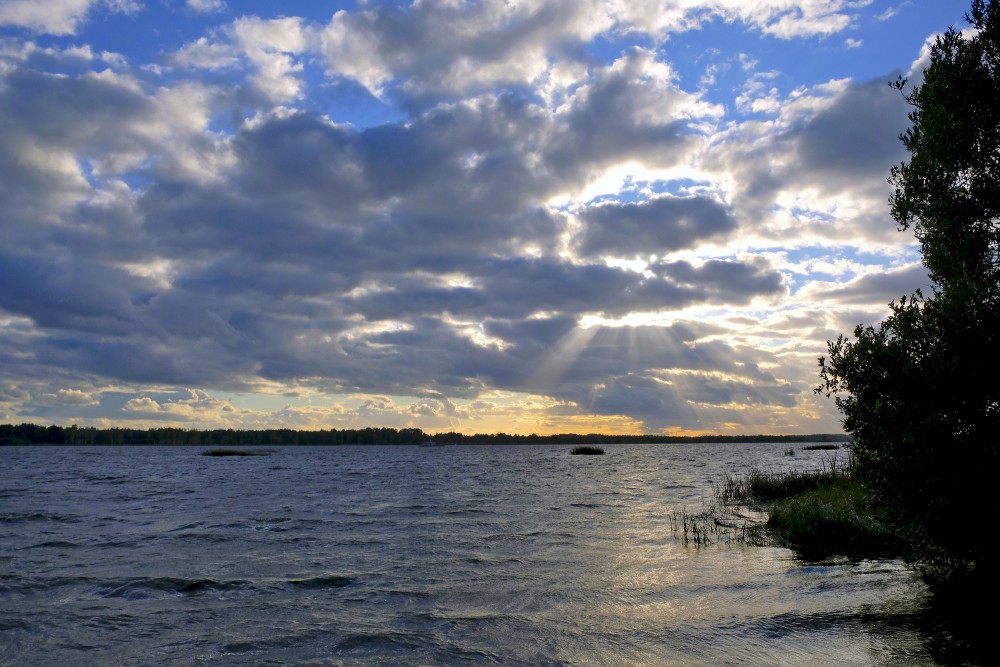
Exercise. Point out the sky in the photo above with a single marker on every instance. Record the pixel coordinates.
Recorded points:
(519, 216)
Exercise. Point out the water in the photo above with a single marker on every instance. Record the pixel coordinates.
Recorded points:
(421, 556)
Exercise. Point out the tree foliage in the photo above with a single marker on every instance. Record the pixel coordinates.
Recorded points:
(920, 391)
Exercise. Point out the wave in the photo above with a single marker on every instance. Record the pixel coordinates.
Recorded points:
(52, 544)
(26, 517)
(407, 644)
(158, 587)
(328, 581)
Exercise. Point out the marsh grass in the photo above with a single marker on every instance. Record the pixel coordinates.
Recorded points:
(834, 518)
(587, 450)
(758, 487)
(817, 513)
(236, 452)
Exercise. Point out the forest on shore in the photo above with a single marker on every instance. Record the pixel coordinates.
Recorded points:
(33, 434)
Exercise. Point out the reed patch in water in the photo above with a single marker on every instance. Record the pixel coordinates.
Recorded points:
(817, 513)
(587, 450)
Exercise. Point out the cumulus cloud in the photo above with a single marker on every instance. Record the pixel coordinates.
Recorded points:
(444, 47)
(816, 172)
(655, 227)
(68, 397)
(539, 230)
(879, 287)
(269, 48)
(58, 17)
(632, 111)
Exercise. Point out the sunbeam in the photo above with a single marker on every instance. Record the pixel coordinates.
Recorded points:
(557, 360)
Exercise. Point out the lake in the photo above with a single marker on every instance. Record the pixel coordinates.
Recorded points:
(458, 555)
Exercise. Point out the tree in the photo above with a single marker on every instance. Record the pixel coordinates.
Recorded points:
(920, 392)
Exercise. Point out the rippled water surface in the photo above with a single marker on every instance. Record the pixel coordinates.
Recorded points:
(413, 555)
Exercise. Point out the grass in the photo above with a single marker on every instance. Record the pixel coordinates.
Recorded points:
(586, 450)
(818, 514)
(236, 452)
(834, 518)
(758, 487)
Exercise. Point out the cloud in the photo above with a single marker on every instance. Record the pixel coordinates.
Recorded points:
(856, 137)
(270, 48)
(520, 288)
(631, 112)
(546, 226)
(68, 397)
(879, 287)
(206, 6)
(786, 19)
(789, 19)
(322, 232)
(57, 17)
(726, 281)
(668, 378)
(816, 172)
(437, 48)
(207, 54)
(654, 227)
(54, 123)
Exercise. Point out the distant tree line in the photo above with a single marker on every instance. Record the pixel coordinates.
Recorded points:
(33, 434)
(453, 438)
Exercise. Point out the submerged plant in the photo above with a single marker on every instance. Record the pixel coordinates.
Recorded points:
(718, 525)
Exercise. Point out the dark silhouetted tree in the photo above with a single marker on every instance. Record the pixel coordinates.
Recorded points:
(921, 392)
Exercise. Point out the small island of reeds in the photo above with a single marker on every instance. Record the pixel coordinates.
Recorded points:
(586, 450)
(236, 452)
